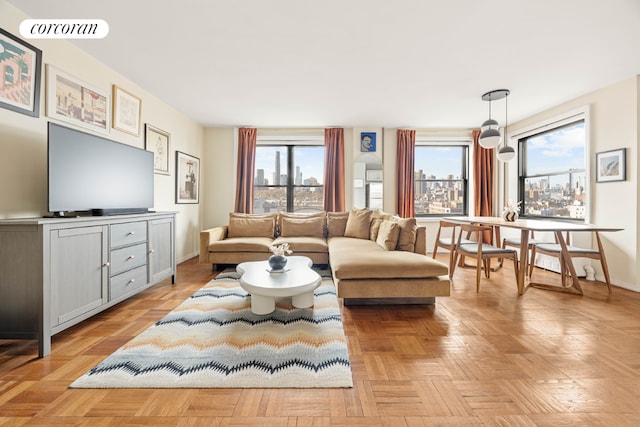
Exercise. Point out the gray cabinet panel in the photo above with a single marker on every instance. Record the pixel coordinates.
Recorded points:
(128, 233)
(162, 257)
(129, 257)
(78, 272)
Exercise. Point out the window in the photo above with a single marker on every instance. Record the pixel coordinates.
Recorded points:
(552, 178)
(441, 181)
(288, 177)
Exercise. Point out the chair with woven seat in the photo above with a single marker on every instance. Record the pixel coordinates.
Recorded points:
(555, 250)
(447, 242)
(482, 252)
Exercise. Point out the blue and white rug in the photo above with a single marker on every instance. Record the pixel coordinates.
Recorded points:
(212, 340)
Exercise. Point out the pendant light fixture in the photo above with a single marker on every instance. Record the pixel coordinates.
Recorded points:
(507, 152)
(490, 136)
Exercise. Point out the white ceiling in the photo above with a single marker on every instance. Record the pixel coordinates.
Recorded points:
(401, 63)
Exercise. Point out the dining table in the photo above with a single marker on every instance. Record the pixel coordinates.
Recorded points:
(526, 226)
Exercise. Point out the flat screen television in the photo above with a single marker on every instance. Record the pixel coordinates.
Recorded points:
(91, 174)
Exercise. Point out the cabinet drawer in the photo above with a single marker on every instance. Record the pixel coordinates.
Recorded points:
(128, 233)
(126, 282)
(127, 258)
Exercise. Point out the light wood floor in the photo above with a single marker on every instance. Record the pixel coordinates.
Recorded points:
(492, 358)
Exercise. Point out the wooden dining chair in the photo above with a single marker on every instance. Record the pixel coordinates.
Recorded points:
(482, 252)
(555, 250)
(531, 247)
(447, 241)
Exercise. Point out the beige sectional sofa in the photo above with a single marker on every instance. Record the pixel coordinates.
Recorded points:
(374, 256)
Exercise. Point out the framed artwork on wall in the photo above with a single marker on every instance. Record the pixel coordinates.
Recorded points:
(74, 101)
(187, 178)
(368, 142)
(21, 65)
(611, 165)
(127, 110)
(158, 142)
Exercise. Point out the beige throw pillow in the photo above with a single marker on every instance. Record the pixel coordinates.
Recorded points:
(377, 217)
(336, 223)
(295, 215)
(358, 224)
(408, 231)
(388, 235)
(302, 227)
(251, 226)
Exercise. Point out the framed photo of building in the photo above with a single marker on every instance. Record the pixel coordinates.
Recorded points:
(76, 102)
(611, 165)
(158, 142)
(21, 65)
(127, 109)
(187, 178)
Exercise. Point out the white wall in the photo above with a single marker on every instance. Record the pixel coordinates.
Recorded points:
(23, 139)
(614, 118)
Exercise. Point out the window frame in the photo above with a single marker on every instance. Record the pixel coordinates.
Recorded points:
(289, 143)
(466, 144)
(550, 125)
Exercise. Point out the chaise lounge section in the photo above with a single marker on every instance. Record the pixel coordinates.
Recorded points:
(374, 257)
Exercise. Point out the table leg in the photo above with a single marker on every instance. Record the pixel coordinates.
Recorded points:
(304, 300)
(498, 244)
(565, 264)
(261, 304)
(524, 260)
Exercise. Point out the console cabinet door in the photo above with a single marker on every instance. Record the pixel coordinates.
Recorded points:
(79, 271)
(161, 256)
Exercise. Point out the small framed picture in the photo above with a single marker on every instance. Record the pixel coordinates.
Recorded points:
(21, 75)
(187, 178)
(611, 165)
(367, 142)
(158, 142)
(127, 109)
(76, 102)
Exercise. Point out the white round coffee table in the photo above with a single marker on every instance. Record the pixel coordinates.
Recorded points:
(297, 280)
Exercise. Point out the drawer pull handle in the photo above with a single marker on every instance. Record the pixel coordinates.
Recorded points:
(131, 281)
(131, 233)
(152, 251)
(106, 264)
(132, 257)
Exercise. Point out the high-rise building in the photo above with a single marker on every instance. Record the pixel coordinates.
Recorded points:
(276, 175)
(298, 180)
(260, 177)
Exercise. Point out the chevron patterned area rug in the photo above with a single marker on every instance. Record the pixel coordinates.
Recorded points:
(212, 340)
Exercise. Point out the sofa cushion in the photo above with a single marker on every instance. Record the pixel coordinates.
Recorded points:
(336, 223)
(388, 234)
(304, 244)
(364, 259)
(242, 244)
(248, 225)
(377, 217)
(358, 224)
(298, 215)
(300, 227)
(408, 230)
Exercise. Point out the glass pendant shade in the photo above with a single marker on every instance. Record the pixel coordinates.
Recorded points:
(490, 138)
(489, 124)
(506, 153)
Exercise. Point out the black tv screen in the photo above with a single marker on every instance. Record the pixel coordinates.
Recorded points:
(90, 173)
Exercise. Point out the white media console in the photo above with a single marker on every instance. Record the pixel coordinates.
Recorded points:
(57, 272)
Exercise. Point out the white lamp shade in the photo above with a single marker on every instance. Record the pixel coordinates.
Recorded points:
(506, 153)
(489, 124)
(490, 138)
